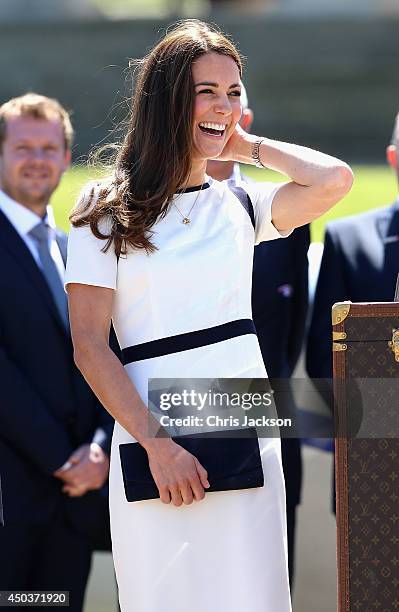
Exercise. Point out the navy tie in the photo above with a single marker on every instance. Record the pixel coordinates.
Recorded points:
(50, 272)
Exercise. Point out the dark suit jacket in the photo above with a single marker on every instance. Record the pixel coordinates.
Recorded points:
(279, 307)
(360, 263)
(280, 300)
(46, 408)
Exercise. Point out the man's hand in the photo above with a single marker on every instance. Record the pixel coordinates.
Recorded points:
(88, 471)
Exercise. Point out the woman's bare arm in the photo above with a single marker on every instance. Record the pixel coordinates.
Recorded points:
(318, 181)
(178, 475)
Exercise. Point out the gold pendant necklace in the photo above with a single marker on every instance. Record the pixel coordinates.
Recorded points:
(186, 218)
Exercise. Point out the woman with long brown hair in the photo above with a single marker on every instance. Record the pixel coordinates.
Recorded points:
(166, 254)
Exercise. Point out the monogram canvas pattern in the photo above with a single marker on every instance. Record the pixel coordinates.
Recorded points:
(372, 390)
(373, 519)
(370, 329)
(368, 461)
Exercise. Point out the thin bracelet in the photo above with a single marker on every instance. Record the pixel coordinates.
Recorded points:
(255, 153)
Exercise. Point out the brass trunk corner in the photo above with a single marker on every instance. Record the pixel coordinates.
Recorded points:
(339, 312)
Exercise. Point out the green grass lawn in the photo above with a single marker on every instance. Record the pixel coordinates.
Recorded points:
(157, 8)
(374, 186)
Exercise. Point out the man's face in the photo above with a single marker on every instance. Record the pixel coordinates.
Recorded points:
(32, 160)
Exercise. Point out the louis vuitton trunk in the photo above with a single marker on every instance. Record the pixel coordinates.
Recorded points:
(366, 398)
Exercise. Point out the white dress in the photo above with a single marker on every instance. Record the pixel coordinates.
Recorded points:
(227, 552)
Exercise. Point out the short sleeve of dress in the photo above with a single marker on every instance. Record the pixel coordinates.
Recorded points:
(262, 196)
(87, 264)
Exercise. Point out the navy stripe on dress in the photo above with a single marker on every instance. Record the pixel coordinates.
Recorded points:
(244, 198)
(187, 341)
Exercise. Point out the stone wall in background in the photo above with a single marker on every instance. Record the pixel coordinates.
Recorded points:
(331, 84)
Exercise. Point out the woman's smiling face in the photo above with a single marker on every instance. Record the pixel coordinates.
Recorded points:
(217, 106)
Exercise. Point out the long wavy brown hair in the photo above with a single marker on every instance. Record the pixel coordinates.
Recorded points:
(154, 160)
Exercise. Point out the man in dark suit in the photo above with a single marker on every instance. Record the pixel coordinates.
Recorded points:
(360, 263)
(54, 436)
(279, 307)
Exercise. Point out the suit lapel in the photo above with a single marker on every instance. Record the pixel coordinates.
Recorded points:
(12, 241)
(388, 227)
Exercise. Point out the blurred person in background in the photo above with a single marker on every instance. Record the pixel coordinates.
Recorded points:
(54, 435)
(279, 308)
(165, 253)
(360, 263)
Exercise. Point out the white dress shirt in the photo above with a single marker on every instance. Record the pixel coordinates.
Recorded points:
(236, 175)
(24, 220)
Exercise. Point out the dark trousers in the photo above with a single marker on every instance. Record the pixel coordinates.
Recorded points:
(292, 467)
(47, 557)
(291, 523)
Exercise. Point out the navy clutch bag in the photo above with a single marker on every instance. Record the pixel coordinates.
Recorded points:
(232, 463)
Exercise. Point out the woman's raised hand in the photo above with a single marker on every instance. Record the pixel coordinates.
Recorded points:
(235, 144)
(179, 476)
